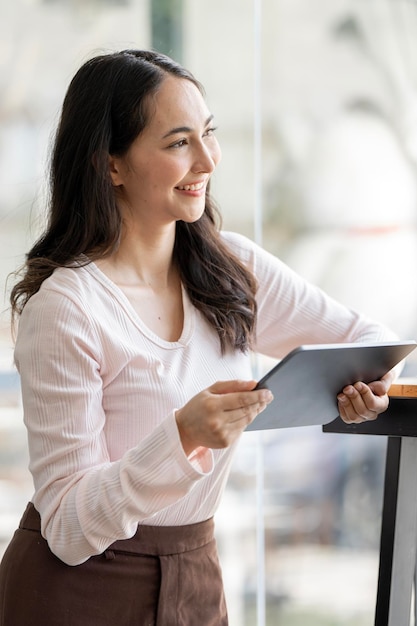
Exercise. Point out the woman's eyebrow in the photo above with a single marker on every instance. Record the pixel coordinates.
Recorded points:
(185, 129)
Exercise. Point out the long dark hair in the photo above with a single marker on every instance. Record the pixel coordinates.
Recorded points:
(103, 112)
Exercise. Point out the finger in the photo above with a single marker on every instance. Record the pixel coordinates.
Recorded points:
(374, 403)
(350, 415)
(345, 415)
(240, 418)
(232, 386)
(357, 403)
(361, 397)
(246, 406)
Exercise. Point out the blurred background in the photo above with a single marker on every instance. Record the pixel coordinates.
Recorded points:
(316, 102)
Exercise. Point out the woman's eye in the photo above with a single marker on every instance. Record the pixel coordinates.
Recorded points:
(179, 143)
(210, 131)
(184, 142)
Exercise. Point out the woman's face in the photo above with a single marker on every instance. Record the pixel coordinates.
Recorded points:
(163, 176)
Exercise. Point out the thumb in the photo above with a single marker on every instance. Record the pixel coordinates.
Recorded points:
(379, 387)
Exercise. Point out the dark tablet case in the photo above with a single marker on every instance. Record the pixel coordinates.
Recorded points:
(306, 382)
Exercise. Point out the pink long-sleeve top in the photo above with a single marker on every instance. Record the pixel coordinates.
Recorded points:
(100, 390)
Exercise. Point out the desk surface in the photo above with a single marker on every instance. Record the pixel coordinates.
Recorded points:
(404, 388)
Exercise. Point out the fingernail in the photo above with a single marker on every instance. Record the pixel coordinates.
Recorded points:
(267, 396)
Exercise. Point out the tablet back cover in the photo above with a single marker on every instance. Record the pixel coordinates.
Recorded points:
(306, 382)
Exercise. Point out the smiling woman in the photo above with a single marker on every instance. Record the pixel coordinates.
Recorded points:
(137, 320)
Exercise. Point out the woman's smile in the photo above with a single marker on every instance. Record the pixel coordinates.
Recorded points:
(193, 189)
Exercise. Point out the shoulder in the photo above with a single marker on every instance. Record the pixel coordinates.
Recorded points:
(256, 258)
(65, 292)
(63, 309)
(243, 247)
(236, 241)
(70, 280)
(77, 284)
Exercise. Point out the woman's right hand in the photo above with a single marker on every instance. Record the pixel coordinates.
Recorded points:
(217, 416)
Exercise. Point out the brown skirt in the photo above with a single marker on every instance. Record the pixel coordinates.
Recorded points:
(163, 576)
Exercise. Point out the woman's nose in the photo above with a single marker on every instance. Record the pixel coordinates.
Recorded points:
(206, 159)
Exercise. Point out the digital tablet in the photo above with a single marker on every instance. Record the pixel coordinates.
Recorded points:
(306, 382)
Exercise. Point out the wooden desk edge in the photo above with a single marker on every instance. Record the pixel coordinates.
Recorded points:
(404, 388)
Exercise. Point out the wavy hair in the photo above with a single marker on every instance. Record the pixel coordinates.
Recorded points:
(104, 110)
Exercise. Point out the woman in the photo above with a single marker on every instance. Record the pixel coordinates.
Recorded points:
(137, 319)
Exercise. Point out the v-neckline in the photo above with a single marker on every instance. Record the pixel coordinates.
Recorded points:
(121, 297)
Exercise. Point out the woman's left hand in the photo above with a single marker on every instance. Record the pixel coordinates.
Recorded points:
(360, 402)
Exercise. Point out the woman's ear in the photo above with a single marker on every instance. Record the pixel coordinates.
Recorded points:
(115, 171)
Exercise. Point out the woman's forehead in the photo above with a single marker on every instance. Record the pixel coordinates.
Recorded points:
(177, 103)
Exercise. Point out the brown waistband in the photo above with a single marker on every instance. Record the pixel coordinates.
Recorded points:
(148, 540)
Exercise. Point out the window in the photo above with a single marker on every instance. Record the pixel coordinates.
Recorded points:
(167, 27)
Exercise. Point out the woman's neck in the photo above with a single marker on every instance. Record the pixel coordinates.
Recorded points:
(143, 259)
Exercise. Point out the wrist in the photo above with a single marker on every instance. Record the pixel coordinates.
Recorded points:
(189, 446)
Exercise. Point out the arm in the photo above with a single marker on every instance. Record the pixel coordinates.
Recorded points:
(293, 312)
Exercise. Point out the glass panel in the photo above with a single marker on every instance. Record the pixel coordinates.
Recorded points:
(42, 44)
(167, 31)
(337, 109)
(338, 173)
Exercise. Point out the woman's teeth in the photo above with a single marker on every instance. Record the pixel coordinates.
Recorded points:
(195, 187)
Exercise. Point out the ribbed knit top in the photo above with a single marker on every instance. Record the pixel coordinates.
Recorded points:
(100, 390)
